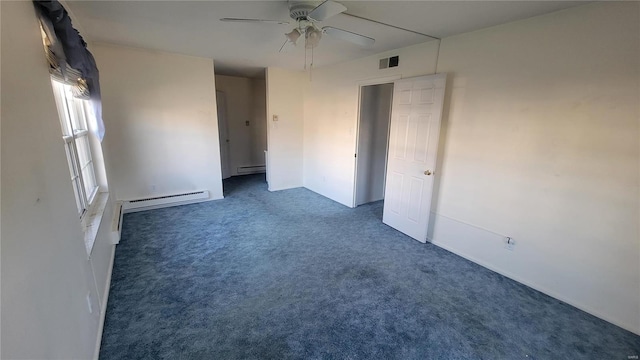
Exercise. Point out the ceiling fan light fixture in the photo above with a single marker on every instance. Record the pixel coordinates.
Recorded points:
(312, 36)
(293, 35)
(307, 22)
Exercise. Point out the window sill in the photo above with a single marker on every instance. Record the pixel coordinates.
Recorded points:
(93, 219)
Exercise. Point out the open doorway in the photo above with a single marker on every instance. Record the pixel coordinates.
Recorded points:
(242, 125)
(373, 142)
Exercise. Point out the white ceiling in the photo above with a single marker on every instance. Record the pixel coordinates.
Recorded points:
(244, 49)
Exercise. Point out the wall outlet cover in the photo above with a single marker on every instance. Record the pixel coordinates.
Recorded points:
(509, 243)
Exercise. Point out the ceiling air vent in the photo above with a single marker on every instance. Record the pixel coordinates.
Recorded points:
(394, 61)
(389, 62)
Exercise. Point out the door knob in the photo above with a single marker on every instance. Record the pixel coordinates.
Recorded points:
(428, 172)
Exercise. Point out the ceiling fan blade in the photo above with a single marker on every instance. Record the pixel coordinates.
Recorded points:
(263, 21)
(349, 36)
(326, 10)
(287, 47)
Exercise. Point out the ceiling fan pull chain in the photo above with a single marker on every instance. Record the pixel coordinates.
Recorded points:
(311, 66)
(307, 19)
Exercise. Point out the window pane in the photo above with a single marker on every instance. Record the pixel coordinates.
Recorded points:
(76, 120)
(77, 192)
(61, 104)
(71, 159)
(84, 152)
(82, 113)
(76, 110)
(74, 126)
(89, 180)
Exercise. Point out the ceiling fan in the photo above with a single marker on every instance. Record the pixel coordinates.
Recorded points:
(307, 18)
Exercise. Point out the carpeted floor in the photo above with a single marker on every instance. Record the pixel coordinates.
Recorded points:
(293, 275)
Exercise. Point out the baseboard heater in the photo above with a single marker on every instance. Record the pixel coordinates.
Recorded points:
(244, 170)
(164, 201)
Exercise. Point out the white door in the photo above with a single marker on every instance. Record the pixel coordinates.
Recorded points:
(413, 144)
(223, 133)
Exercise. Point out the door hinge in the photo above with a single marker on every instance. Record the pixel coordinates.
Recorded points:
(355, 155)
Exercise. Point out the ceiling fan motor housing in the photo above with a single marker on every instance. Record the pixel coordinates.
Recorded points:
(300, 11)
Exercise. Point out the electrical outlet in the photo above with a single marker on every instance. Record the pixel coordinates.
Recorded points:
(275, 117)
(246, 123)
(509, 243)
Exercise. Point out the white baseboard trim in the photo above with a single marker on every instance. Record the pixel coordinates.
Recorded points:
(251, 169)
(535, 286)
(103, 308)
(160, 206)
(272, 189)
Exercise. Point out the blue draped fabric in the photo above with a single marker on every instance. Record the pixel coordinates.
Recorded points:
(75, 50)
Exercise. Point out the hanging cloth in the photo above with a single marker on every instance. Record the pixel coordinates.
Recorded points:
(69, 59)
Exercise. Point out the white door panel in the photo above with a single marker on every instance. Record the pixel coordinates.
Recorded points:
(415, 128)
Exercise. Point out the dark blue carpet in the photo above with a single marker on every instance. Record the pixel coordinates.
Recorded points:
(293, 275)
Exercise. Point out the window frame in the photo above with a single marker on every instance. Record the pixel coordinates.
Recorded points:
(73, 116)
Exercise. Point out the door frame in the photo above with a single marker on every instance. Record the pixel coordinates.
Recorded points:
(361, 84)
(226, 162)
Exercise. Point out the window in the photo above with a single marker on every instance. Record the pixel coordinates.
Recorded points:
(73, 113)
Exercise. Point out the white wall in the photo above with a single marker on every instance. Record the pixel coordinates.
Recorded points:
(331, 115)
(284, 137)
(259, 121)
(540, 142)
(46, 274)
(246, 101)
(162, 122)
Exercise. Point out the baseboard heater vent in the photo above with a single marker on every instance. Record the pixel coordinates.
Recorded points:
(165, 201)
(116, 228)
(243, 170)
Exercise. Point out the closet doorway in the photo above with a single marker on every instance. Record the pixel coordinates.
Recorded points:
(242, 121)
(373, 142)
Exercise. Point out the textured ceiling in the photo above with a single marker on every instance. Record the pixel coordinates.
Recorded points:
(243, 49)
